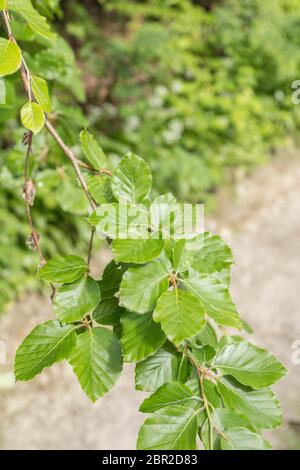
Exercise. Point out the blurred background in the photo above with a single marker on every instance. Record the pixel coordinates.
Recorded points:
(203, 91)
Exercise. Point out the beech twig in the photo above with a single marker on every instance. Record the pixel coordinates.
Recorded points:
(26, 78)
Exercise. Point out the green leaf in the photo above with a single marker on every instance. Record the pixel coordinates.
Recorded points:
(109, 283)
(225, 419)
(41, 92)
(137, 251)
(224, 278)
(36, 21)
(181, 315)
(213, 256)
(73, 301)
(172, 428)
(3, 4)
(63, 269)
(92, 150)
(33, 117)
(215, 298)
(260, 406)
(141, 336)
(100, 188)
(156, 370)
(182, 257)
(243, 439)
(108, 312)
(132, 179)
(141, 286)
(46, 344)
(171, 393)
(10, 57)
(97, 361)
(249, 364)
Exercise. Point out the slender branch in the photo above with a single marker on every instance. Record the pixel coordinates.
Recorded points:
(26, 78)
(71, 156)
(91, 246)
(206, 405)
(201, 375)
(28, 194)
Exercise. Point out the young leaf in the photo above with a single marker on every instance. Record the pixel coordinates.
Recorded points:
(92, 150)
(156, 370)
(63, 269)
(172, 428)
(73, 301)
(140, 337)
(10, 57)
(36, 21)
(46, 344)
(41, 92)
(171, 393)
(141, 286)
(260, 406)
(3, 4)
(97, 361)
(213, 256)
(243, 439)
(33, 117)
(100, 188)
(132, 179)
(136, 251)
(215, 298)
(249, 364)
(181, 315)
(108, 312)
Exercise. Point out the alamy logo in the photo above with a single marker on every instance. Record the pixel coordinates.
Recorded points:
(159, 221)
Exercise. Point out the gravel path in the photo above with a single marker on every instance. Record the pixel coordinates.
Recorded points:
(261, 222)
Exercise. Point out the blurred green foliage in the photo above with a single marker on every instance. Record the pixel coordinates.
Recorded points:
(198, 91)
(201, 89)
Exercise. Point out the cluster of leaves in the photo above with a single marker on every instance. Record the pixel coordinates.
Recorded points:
(156, 302)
